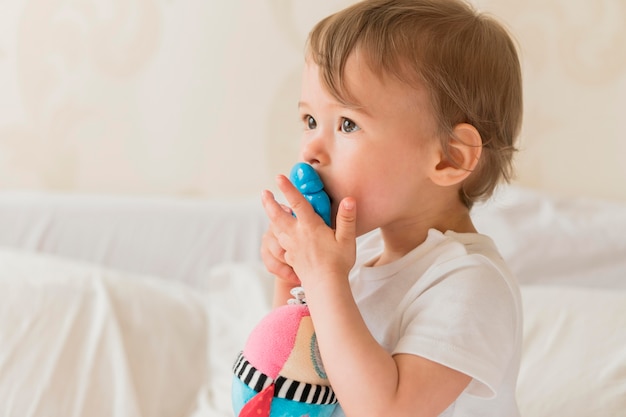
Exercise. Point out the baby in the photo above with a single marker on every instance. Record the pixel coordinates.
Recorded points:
(410, 110)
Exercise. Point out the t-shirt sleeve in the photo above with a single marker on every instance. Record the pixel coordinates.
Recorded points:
(466, 319)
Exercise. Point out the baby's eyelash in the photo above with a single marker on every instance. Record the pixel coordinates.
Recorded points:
(348, 125)
(309, 121)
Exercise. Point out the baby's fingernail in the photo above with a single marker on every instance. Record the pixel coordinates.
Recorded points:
(265, 194)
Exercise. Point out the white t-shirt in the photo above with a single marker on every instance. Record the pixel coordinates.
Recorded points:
(451, 300)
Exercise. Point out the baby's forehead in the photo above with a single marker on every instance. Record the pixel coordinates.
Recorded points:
(343, 78)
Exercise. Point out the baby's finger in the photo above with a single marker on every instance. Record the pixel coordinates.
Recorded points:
(276, 266)
(286, 208)
(299, 205)
(346, 221)
(270, 244)
(278, 216)
(279, 269)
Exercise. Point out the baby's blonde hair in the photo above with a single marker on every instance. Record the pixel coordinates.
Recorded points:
(465, 59)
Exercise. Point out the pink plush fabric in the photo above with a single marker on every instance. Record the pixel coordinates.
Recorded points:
(269, 354)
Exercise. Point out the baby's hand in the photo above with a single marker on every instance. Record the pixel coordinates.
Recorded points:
(273, 256)
(310, 185)
(313, 250)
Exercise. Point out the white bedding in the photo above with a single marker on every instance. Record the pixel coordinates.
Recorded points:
(172, 238)
(548, 239)
(574, 357)
(81, 339)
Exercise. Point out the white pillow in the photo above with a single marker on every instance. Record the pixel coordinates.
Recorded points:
(77, 340)
(547, 239)
(238, 295)
(574, 358)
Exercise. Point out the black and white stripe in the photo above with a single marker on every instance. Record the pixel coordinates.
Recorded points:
(251, 376)
(285, 388)
(303, 392)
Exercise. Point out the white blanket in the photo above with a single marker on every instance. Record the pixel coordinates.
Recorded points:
(149, 321)
(79, 340)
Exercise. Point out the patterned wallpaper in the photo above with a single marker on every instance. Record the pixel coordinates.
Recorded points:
(199, 97)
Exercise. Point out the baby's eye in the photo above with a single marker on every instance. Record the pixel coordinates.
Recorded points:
(348, 126)
(310, 122)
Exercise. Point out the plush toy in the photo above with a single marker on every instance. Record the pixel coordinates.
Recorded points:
(280, 371)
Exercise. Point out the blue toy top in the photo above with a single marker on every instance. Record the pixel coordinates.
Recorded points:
(306, 180)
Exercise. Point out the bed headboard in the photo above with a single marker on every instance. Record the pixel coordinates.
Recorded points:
(199, 98)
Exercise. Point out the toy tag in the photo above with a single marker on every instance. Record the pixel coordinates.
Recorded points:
(298, 296)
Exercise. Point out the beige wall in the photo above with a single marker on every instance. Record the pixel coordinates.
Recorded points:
(198, 97)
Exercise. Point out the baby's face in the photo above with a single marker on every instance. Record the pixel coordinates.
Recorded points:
(381, 152)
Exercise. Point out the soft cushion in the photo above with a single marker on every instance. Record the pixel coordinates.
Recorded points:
(547, 239)
(574, 358)
(78, 340)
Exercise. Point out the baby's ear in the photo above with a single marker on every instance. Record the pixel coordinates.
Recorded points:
(464, 149)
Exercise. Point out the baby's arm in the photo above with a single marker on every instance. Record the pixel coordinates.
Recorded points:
(367, 380)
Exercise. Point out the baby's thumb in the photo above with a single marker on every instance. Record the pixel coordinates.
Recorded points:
(345, 225)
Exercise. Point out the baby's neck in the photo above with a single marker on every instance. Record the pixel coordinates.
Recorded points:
(400, 239)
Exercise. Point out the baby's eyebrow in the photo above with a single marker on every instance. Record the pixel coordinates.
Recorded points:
(359, 109)
(350, 106)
